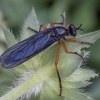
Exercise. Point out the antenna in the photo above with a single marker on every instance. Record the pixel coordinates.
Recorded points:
(79, 28)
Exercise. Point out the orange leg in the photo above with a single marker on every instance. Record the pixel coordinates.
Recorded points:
(55, 23)
(32, 30)
(41, 26)
(66, 50)
(56, 62)
(76, 41)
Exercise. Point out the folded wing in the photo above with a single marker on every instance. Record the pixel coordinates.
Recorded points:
(26, 49)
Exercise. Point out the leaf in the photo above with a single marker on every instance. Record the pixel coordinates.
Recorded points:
(74, 95)
(43, 68)
(9, 36)
(81, 75)
(31, 22)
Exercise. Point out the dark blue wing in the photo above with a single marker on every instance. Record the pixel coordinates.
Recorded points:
(26, 49)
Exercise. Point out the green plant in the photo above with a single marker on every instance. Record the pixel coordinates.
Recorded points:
(38, 76)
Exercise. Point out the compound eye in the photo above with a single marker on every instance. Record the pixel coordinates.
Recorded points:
(71, 28)
(74, 33)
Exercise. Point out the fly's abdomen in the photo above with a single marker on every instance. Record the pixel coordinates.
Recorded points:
(14, 57)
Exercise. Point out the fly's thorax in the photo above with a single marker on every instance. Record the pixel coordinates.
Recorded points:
(60, 32)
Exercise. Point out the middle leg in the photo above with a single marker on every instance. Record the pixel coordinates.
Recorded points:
(55, 23)
(66, 50)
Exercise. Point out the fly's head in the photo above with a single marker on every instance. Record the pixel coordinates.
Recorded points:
(72, 30)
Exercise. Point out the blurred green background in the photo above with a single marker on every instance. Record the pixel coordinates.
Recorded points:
(87, 12)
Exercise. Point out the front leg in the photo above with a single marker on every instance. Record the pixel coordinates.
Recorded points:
(76, 41)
